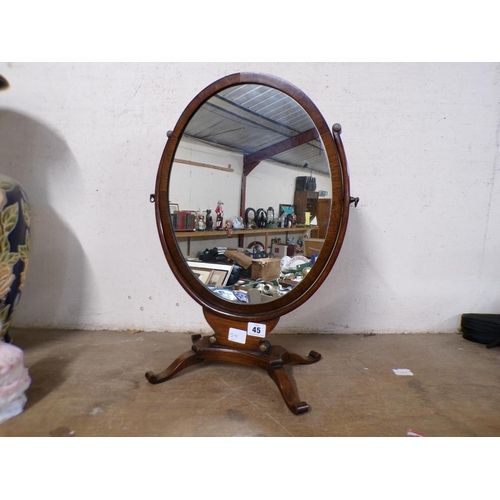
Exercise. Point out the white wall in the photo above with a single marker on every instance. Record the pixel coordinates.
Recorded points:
(422, 140)
(197, 188)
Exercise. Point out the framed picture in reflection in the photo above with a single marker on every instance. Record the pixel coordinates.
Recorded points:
(211, 274)
(202, 274)
(286, 209)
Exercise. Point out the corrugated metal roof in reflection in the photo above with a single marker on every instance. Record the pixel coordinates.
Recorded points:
(250, 118)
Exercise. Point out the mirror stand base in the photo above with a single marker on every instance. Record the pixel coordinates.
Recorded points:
(273, 361)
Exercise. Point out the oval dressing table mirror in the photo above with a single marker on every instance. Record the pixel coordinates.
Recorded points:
(252, 201)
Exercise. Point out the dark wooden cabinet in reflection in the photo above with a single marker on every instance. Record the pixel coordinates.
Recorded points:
(305, 201)
(323, 214)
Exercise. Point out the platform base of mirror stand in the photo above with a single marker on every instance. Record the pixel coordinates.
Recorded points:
(268, 357)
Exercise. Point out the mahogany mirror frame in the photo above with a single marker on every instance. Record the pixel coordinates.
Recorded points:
(336, 230)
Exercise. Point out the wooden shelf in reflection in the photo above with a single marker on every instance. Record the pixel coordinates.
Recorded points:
(207, 235)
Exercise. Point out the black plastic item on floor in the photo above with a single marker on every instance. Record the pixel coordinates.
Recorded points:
(482, 328)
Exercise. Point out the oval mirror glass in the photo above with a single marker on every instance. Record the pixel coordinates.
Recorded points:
(248, 175)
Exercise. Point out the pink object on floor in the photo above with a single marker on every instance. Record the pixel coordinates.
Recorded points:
(14, 380)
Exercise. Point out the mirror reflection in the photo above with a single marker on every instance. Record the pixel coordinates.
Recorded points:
(249, 194)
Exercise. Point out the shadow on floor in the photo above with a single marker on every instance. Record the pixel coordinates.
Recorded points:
(46, 376)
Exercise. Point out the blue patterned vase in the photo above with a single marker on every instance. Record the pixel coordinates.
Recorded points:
(14, 249)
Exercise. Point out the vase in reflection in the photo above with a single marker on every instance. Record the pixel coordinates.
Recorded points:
(14, 249)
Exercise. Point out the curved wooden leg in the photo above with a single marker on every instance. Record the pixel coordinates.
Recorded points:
(273, 361)
(282, 380)
(313, 357)
(187, 359)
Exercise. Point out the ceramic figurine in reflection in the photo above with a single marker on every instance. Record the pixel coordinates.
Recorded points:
(270, 218)
(14, 249)
(237, 222)
(209, 222)
(219, 216)
(262, 220)
(250, 218)
(201, 221)
(281, 220)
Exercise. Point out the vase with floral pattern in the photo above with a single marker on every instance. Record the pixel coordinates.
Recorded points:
(14, 249)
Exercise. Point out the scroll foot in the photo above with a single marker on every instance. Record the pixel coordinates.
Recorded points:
(313, 357)
(187, 359)
(284, 383)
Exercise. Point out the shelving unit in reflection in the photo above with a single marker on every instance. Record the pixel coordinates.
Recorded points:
(187, 236)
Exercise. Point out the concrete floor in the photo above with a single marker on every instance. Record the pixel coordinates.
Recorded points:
(93, 384)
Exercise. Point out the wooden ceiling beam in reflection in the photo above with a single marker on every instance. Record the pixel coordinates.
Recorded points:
(251, 160)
